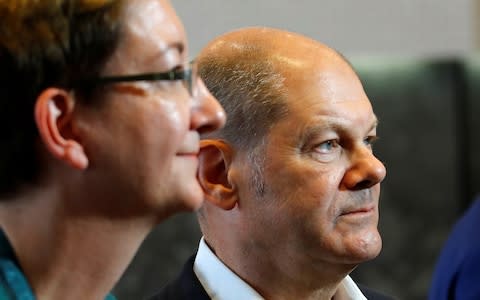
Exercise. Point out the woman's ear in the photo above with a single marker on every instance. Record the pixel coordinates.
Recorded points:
(215, 158)
(53, 116)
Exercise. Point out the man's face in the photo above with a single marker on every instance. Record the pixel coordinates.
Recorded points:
(146, 134)
(321, 178)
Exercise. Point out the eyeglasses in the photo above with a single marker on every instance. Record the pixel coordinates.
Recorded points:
(187, 74)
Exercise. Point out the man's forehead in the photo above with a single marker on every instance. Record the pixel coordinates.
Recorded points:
(321, 81)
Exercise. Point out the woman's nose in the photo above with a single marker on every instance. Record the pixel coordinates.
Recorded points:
(207, 113)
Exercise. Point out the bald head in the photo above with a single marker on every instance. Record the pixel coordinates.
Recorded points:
(309, 126)
(251, 71)
(278, 46)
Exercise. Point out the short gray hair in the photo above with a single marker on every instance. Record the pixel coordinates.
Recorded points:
(252, 94)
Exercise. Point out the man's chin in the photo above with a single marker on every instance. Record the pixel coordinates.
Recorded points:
(361, 247)
(367, 248)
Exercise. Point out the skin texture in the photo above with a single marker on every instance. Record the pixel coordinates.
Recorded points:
(317, 218)
(113, 169)
(160, 117)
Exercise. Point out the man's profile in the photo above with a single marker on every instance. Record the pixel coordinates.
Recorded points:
(291, 182)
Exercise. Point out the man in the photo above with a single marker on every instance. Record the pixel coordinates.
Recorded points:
(291, 183)
(457, 272)
(101, 116)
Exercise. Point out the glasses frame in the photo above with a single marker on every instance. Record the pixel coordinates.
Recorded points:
(188, 75)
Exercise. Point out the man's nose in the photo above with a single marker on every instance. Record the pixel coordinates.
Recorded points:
(365, 171)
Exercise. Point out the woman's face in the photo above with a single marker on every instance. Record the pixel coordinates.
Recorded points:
(146, 134)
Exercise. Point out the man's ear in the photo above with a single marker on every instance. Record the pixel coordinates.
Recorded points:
(53, 116)
(215, 158)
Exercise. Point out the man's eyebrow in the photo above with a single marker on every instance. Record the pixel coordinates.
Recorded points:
(332, 125)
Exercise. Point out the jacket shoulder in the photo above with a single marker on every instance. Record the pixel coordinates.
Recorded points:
(371, 294)
(185, 286)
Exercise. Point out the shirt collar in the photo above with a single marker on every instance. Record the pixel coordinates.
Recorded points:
(219, 281)
(352, 292)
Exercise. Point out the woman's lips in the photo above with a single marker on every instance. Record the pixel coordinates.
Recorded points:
(190, 145)
(192, 153)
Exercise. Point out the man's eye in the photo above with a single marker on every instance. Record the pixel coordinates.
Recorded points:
(327, 146)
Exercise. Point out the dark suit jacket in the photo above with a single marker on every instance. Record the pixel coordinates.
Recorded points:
(457, 273)
(187, 287)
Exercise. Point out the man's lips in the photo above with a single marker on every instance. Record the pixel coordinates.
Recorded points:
(358, 210)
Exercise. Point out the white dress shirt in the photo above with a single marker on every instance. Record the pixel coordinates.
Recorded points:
(221, 283)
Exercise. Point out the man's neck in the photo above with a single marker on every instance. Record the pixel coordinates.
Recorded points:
(276, 277)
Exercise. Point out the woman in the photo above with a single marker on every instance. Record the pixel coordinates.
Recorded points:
(101, 116)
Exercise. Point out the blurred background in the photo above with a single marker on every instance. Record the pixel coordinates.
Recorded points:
(417, 60)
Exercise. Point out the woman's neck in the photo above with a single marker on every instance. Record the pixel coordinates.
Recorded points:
(67, 255)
